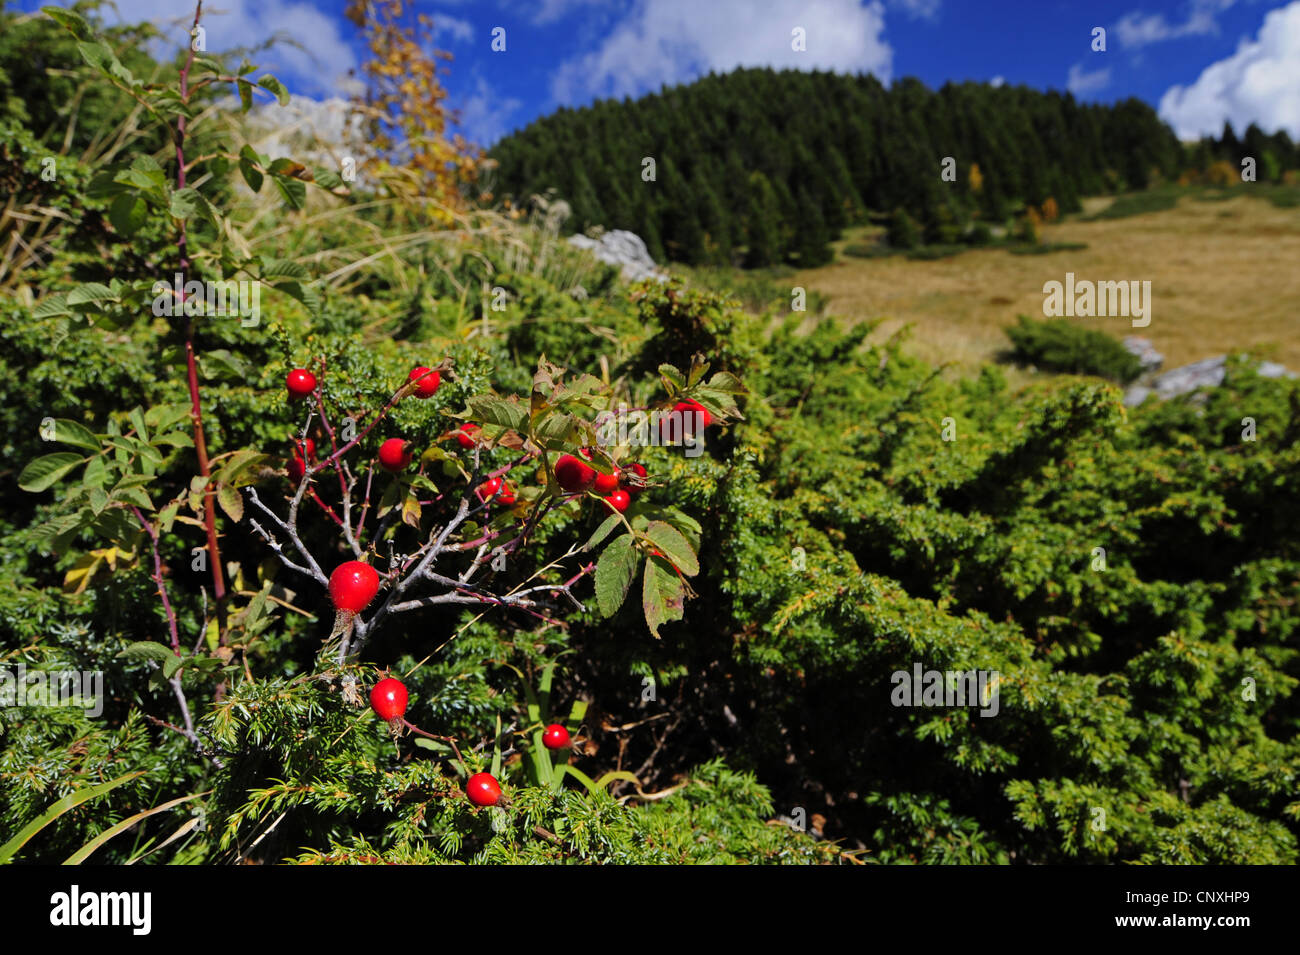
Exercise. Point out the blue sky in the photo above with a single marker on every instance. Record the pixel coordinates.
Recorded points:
(1198, 61)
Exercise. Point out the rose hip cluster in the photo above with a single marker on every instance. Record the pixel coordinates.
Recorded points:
(388, 700)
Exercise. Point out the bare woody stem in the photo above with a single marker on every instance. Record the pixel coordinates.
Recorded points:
(450, 740)
(191, 366)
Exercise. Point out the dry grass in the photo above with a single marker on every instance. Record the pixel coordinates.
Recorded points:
(1223, 275)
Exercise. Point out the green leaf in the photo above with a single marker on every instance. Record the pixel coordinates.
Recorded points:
(327, 179)
(272, 85)
(276, 268)
(245, 95)
(45, 470)
(96, 473)
(292, 191)
(607, 525)
(77, 435)
(90, 292)
(673, 376)
(674, 546)
(163, 417)
(248, 165)
(614, 572)
(127, 213)
(52, 306)
(67, 803)
(663, 595)
(508, 413)
(71, 21)
(147, 650)
(231, 502)
(306, 294)
(134, 495)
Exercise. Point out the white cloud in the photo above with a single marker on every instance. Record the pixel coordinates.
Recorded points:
(454, 27)
(1259, 83)
(484, 116)
(1136, 29)
(1080, 82)
(668, 41)
(997, 81)
(548, 11)
(318, 57)
(918, 9)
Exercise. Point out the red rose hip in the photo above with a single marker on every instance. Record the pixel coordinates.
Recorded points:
(353, 585)
(300, 383)
(633, 468)
(606, 483)
(297, 468)
(555, 736)
(574, 475)
(466, 435)
(393, 455)
(619, 501)
(428, 381)
(483, 790)
(388, 699)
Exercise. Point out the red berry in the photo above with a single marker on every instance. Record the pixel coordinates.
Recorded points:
(573, 475)
(297, 468)
(606, 483)
(506, 496)
(688, 418)
(466, 435)
(619, 500)
(693, 412)
(483, 790)
(393, 455)
(555, 736)
(428, 383)
(388, 699)
(300, 383)
(488, 488)
(353, 585)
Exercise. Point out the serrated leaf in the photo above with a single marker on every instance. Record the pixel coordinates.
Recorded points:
(70, 20)
(134, 495)
(163, 417)
(52, 306)
(277, 268)
(249, 162)
(663, 595)
(147, 650)
(96, 473)
(293, 192)
(171, 665)
(306, 294)
(673, 375)
(603, 531)
(508, 413)
(128, 214)
(272, 85)
(45, 470)
(231, 502)
(614, 572)
(675, 547)
(75, 434)
(90, 292)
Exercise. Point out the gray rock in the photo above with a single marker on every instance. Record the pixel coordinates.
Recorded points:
(624, 249)
(1207, 373)
(1146, 353)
